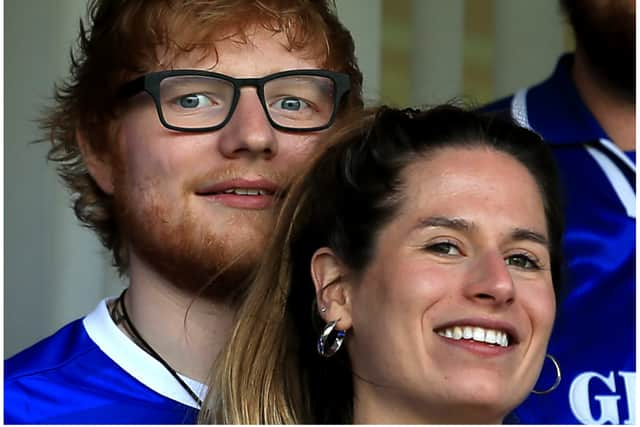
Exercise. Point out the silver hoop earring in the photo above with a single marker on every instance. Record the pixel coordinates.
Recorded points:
(326, 349)
(558, 377)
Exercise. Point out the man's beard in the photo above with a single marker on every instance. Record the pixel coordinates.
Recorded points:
(607, 37)
(184, 249)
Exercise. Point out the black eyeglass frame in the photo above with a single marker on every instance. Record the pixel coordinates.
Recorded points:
(150, 83)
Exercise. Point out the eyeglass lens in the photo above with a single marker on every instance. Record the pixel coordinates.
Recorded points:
(292, 101)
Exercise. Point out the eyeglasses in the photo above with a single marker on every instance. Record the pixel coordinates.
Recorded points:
(199, 101)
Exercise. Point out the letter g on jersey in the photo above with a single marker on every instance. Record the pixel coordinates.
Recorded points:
(580, 397)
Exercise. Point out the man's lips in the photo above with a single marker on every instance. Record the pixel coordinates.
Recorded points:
(241, 193)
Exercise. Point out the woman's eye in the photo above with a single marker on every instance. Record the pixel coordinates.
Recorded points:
(194, 100)
(290, 104)
(522, 261)
(443, 248)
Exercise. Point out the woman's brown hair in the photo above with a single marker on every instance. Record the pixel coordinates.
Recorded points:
(270, 373)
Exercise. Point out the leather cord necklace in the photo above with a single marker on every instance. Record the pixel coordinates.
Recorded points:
(124, 316)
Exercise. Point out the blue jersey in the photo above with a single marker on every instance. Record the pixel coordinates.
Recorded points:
(90, 372)
(594, 335)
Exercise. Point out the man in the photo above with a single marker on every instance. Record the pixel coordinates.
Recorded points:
(586, 111)
(177, 132)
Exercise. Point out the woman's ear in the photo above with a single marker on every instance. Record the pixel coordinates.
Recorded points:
(99, 166)
(333, 289)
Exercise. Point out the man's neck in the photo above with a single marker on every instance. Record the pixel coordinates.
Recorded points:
(615, 115)
(186, 331)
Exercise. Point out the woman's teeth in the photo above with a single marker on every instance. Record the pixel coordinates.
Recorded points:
(476, 333)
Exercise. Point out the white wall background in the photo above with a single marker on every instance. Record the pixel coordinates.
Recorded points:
(56, 271)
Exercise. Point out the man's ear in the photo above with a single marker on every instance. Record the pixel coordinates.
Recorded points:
(100, 166)
(333, 289)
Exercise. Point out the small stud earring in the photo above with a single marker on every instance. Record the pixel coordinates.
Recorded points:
(323, 309)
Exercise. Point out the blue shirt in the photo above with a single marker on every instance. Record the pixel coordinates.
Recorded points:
(594, 335)
(90, 372)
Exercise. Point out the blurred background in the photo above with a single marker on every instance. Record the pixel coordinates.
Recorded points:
(412, 52)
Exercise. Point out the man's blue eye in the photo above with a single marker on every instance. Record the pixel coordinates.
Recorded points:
(193, 101)
(291, 104)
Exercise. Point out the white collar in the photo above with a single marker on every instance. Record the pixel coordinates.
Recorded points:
(134, 360)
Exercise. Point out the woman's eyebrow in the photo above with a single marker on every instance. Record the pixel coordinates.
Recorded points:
(460, 224)
(442, 221)
(534, 236)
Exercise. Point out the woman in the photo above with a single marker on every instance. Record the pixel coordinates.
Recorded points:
(427, 244)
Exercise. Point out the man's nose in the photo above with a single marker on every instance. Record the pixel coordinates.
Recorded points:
(249, 132)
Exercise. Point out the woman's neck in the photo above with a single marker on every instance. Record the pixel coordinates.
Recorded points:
(379, 405)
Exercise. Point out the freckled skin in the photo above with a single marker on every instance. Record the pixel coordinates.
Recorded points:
(168, 224)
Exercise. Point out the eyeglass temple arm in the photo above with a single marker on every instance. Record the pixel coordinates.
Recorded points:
(127, 90)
